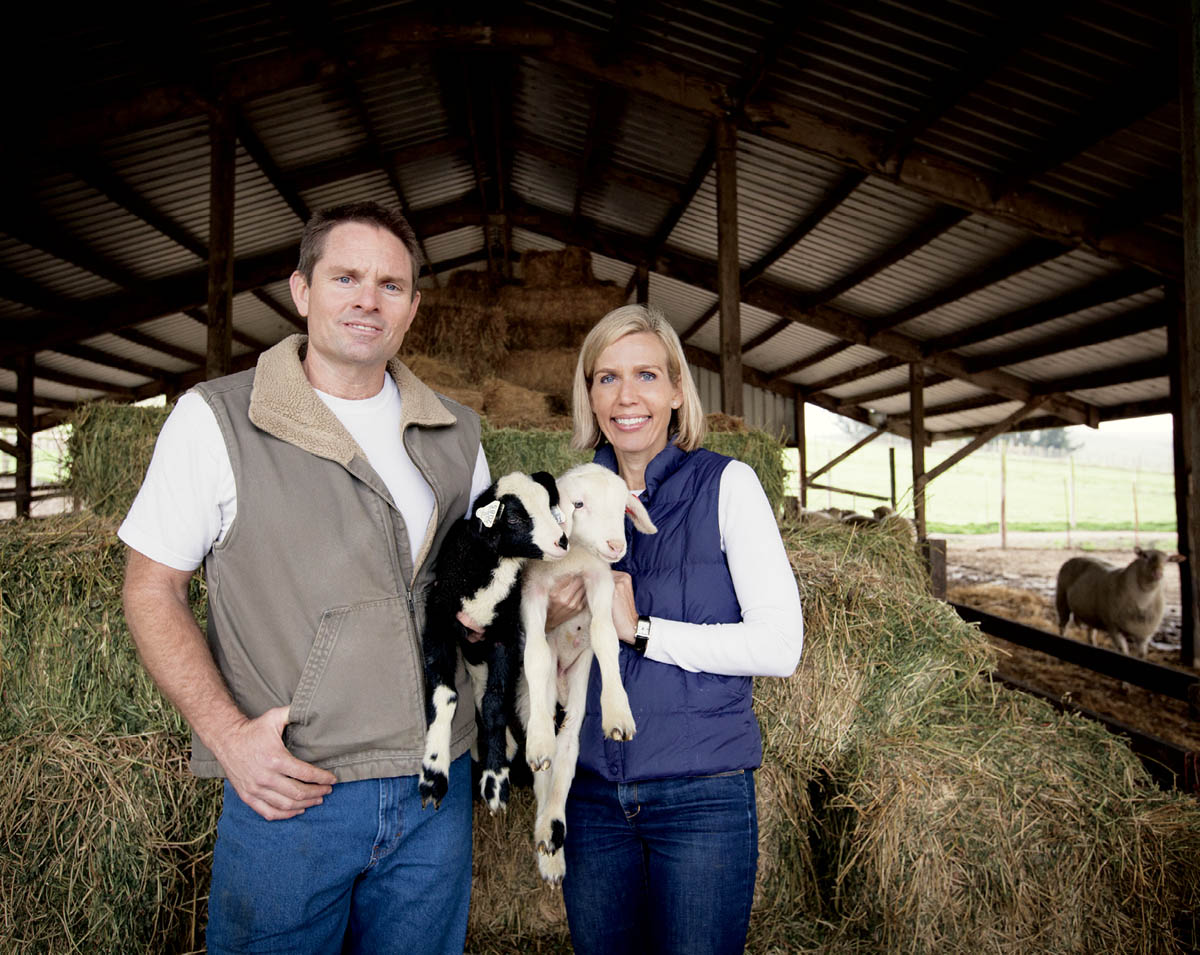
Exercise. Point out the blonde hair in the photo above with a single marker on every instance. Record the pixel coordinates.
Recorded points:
(688, 424)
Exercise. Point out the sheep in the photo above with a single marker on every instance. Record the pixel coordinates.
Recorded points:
(557, 664)
(887, 516)
(1125, 601)
(477, 585)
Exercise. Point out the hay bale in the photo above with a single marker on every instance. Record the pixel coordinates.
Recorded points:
(106, 844)
(557, 317)
(549, 370)
(510, 406)
(458, 327)
(552, 269)
(68, 660)
(718, 421)
(108, 452)
(512, 449)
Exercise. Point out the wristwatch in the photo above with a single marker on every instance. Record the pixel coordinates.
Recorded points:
(642, 634)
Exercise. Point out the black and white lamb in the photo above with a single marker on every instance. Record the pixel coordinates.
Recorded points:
(478, 577)
(557, 664)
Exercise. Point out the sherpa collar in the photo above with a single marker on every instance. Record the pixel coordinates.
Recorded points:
(284, 404)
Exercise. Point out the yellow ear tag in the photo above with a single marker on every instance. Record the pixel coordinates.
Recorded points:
(487, 514)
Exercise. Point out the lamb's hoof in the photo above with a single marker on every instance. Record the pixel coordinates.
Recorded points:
(537, 763)
(551, 842)
(552, 868)
(433, 787)
(493, 786)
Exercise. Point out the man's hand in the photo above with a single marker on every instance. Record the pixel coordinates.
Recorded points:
(568, 598)
(269, 779)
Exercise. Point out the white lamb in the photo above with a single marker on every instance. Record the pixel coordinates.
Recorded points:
(557, 663)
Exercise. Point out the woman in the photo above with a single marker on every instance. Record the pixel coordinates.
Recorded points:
(662, 836)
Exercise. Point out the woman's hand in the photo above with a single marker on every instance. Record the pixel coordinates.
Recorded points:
(624, 611)
(568, 598)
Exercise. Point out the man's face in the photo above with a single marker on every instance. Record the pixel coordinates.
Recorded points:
(360, 302)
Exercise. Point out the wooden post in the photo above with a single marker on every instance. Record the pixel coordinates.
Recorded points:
(801, 448)
(1182, 443)
(222, 168)
(729, 291)
(24, 475)
(892, 472)
(916, 403)
(1187, 420)
(1003, 494)
(642, 279)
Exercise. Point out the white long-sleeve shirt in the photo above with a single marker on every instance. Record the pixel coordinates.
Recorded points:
(770, 637)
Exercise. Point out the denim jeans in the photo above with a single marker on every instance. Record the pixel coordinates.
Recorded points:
(368, 870)
(664, 866)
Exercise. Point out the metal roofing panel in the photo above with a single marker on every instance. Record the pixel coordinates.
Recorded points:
(552, 105)
(793, 343)
(977, 418)
(54, 361)
(876, 216)
(777, 188)
(710, 37)
(453, 245)
(370, 186)
(404, 107)
(47, 273)
(53, 391)
(853, 357)
(1115, 395)
(1058, 326)
(1114, 354)
(605, 269)
(178, 329)
(125, 248)
(586, 17)
(893, 377)
(263, 221)
(524, 240)
(1072, 270)
(120, 348)
(305, 125)
(432, 182)
(642, 147)
(258, 320)
(620, 207)
(682, 304)
(543, 184)
(874, 65)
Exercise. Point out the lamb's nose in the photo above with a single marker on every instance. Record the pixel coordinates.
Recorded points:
(617, 547)
(562, 542)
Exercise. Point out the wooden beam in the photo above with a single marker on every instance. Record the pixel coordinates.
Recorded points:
(285, 313)
(1031, 254)
(80, 381)
(824, 354)
(916, 402)
(944, 219)
(779, 300)
(24, 474)
(990, 432)
(9, 448)
(154, 298)
(99, 357)
(1134, 322)
(158, 345)
(1187, 358)
(222, 173)
(57, 404)
(266, 163)
(956, 407)
(1105, 377)
(729, 292)
(801, 447)
(830, 465)
(642, 287)
(890, 391)
(854, 374)
(1111, 288)
(833, 198)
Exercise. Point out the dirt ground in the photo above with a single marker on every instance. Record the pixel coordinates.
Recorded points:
(1018, 583)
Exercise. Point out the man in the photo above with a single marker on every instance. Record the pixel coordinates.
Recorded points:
(316, 488)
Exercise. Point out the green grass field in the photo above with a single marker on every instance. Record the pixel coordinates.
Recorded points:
(966, 498)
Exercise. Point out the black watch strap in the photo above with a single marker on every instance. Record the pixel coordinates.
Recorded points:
(642, 635)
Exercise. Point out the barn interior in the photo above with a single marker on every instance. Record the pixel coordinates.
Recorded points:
(944, 219)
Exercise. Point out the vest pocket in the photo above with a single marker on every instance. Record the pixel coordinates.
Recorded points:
(360, 690)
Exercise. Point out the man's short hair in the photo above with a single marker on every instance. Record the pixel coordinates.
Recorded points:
(312, 243)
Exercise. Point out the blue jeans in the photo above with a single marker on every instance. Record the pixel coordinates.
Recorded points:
(664, 866)
(366, 871)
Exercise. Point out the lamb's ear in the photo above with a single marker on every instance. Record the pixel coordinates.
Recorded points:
(546, 480)
(641, 518)
(1139, 552)
(1177, 558)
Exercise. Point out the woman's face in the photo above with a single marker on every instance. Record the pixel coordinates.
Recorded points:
(632, 395)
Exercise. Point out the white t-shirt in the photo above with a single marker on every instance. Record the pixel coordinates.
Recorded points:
(770, 637)
(188, 500)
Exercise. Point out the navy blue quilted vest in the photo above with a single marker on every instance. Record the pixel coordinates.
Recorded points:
(688, 724)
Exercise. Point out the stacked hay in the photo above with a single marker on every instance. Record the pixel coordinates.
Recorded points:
(107, 454)
(104, 835)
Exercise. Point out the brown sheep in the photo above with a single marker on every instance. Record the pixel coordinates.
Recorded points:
(1122, 601)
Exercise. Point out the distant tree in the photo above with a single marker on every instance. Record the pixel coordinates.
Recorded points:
(1054, 442)
(855, 429)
